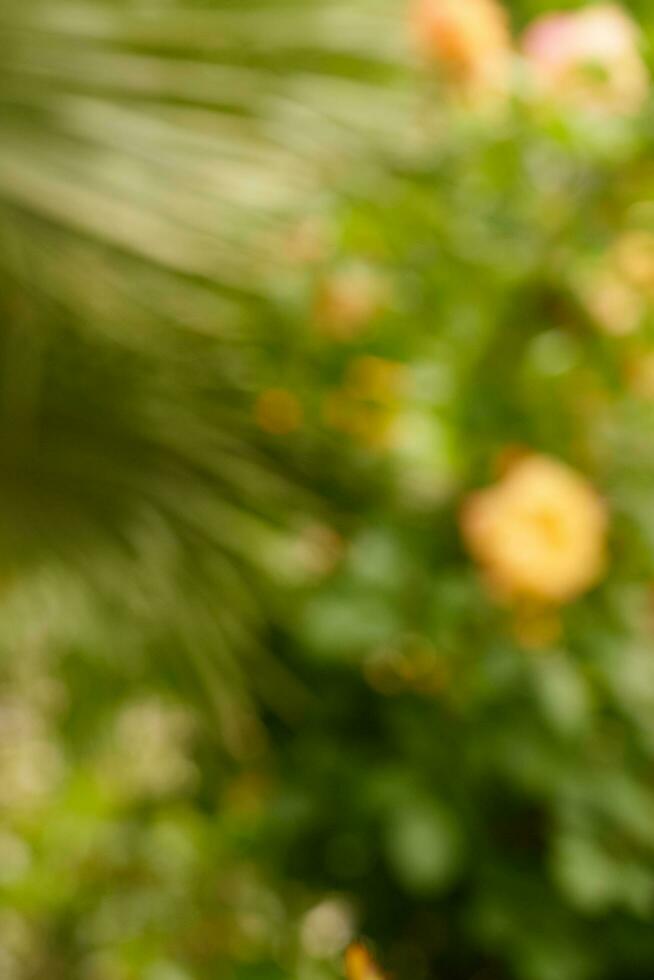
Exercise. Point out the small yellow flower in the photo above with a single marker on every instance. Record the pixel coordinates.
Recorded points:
(588, 58)
(359, 964)
(366, 405)
(539, 533)
(373, 426)
(375, 379)
(278, 412)
(469, 39)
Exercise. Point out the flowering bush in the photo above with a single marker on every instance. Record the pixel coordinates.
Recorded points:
(437, 730)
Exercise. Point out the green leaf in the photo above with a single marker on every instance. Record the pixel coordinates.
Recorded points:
(424, 846)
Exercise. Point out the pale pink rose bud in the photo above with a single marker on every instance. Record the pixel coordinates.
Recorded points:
(588, 58)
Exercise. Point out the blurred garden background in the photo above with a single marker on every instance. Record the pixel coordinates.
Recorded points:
(326, 489)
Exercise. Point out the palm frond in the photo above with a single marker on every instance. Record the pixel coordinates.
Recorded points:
(151, 161)
(181, 135)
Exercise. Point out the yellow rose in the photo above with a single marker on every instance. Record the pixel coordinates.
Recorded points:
(539, 533)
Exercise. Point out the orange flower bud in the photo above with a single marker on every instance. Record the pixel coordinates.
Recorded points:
(359, 964)
(469, 39)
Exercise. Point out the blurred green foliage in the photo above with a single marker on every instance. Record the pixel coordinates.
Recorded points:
(273, 305)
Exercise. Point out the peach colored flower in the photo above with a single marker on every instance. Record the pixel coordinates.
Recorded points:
(588, 58)
(349, 300)
(539, 533)
(469, 39)
(634, 257)
(612, 302)
(616, 287)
